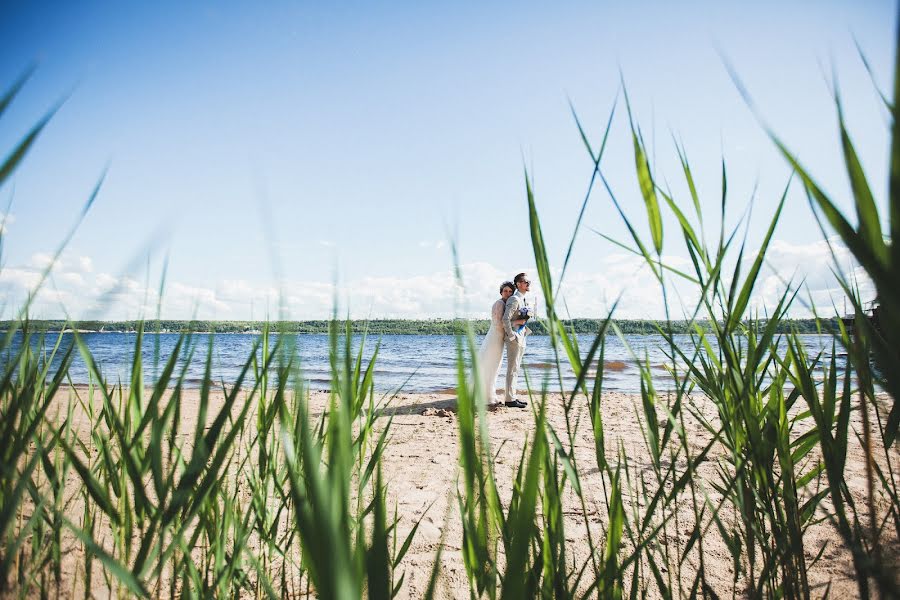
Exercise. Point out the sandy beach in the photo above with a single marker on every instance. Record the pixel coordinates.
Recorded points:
(421, 470)
(422, 463)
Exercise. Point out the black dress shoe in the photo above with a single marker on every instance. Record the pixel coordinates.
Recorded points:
(516, 404)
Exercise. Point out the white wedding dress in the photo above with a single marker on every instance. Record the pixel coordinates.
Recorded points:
(491, 353)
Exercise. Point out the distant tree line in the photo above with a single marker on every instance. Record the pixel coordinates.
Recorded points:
(401, 326)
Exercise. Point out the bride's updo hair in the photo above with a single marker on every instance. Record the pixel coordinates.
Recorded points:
(507, 284)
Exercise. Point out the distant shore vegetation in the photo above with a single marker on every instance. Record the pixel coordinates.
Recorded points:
(397, 326)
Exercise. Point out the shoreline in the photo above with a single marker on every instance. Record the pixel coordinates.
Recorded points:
(434, 326)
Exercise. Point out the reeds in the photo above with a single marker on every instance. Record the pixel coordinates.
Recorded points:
(257, 495)
(772, 461)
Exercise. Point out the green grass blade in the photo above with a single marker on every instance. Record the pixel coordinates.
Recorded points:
(866, 211)
(654, 262)
(648, 191)
(743, 299)
(537, 242)
(97, 491)
(121, 573)
(596, 160)
(435, 570)
(11, 503)
(631, 230)
(610, 584)
(894, 173)
(645, 180)
(377, 558)
(13, 91)
(521, 518)
(689, 178)
(18, 153)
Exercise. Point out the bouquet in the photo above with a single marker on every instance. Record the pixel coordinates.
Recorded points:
(524, 313)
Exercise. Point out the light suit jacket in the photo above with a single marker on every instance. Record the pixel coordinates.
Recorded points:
(513, 305)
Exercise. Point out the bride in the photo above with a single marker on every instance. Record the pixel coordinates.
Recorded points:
(491, 353)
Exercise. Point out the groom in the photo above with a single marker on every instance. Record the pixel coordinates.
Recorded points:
(518, 306)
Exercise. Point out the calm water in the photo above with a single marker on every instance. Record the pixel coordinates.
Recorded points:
(418, 363)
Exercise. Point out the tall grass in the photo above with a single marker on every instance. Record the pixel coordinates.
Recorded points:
(772, 461)
(246, 493)
(251, 492)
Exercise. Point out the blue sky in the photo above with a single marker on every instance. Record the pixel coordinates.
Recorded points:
(271, 151)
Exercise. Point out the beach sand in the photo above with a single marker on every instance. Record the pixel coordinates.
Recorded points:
(421, 464)
(421, 470)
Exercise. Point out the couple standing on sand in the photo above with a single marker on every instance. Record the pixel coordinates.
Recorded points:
(508, 317)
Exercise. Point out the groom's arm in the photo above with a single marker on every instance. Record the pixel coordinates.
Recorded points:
(512, 305)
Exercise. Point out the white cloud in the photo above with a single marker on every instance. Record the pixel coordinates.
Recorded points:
(42, 260)
(585, 293)
(430, 244)
(72, 278)
(105, 282)
(22, 279)
(811, 268)
(180, 299)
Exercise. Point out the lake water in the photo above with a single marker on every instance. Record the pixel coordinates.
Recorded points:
(415, 363)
